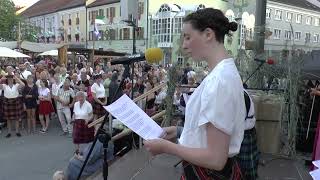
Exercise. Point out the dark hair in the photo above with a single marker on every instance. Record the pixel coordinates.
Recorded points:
(213, 19)
(45, 82)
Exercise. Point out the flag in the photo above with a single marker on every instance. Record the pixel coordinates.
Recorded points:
(99, 20)
(96, 32)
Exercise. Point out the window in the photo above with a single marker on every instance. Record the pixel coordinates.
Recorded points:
(289, 16)
(297, 36)
(308, 37)
(154, 27)
(277, 33)
(77, 36)
(77, 19)
(140, 33)
(178, 25)
(112, 34)
(69, 38)
(268, 13)
(287, 35)
(309, 20)
(278, 15)
(317, 21)
(70, 20)
(126, 33)
(140, 9)
(101, 12)
(120, 34)
(298, 18)
(90, 35)
(316, 38)
(180, 59)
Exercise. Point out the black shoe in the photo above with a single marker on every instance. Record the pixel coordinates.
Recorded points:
(18, 134)
(8, 135)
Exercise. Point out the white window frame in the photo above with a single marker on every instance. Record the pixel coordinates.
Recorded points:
(309, 39)
(287, 19)
(317, 21)
(276, 15)
(268, 13)
(277, 37)
(309, 20)
(295, 35)
(316, 38)
(287, 35)
(299, 21)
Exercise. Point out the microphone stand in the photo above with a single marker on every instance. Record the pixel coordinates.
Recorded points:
(260, 65)
(105, 137)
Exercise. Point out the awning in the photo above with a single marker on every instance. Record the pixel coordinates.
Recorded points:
(6, 52)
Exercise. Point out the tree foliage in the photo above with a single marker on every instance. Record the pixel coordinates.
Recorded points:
(8, 20)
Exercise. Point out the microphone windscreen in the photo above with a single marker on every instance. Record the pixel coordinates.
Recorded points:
(153, 55)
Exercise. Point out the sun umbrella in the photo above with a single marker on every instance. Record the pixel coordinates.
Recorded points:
(6, 52)
(49, 53)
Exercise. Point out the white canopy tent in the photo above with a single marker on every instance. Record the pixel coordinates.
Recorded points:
(51, 53)
(6, 52)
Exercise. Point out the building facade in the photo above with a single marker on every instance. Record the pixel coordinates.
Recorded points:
(292, 26)
(115, 34)
(58, 21)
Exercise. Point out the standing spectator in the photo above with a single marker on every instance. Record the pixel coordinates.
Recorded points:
(115, 92)
(82, 116)
(24, 73)
(63, 74)
(99, 96)
(45, 106)
(30, 95)
(12, 107)
(64, 102)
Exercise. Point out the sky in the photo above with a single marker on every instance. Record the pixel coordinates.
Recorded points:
(23, 3)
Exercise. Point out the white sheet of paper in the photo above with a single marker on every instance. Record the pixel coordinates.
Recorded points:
(316, 163)
(315, 174)
(126, 111)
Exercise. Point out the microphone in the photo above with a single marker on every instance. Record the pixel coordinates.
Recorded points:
(268, 61)
(152, 55)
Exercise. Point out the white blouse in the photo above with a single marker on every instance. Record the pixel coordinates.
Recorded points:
(9, 92)
(218, 100)
(98, 90)
(83, 111)
(44, 92)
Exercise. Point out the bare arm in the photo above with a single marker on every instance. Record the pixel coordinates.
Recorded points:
(213, 157)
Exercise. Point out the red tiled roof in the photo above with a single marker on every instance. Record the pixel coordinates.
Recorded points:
(102, 2)
(43, 7)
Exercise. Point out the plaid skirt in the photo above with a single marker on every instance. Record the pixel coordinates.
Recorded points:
(231, 171)
(45, 108)
(82, 134)
(12, 108)
(98, 108)
(248, 158)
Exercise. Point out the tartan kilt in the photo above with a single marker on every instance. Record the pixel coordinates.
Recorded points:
(82, 134)
(248, 157)
(98, 108)
(12, 108)
(231, 171)
(45, 108)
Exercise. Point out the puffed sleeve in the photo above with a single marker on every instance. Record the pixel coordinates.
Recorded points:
(218, 105)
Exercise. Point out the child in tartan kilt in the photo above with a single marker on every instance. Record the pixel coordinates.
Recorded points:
(248, 158)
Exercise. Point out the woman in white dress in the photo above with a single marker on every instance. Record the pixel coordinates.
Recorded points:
(215, 112)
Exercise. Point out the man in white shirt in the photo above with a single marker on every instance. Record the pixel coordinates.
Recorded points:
(23, 72)
(64, 102)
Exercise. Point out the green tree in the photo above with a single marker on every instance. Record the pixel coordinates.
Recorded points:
(8, 20)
